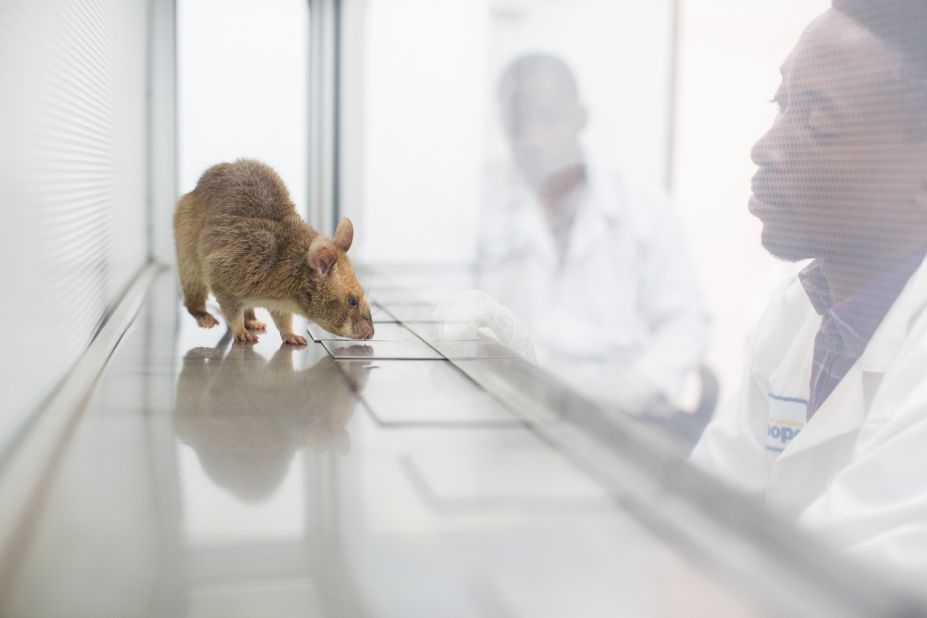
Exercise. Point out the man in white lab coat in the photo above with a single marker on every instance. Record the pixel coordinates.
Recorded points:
(594, 268)
(830, 423)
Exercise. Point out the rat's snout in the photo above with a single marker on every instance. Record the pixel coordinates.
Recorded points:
(363, 329)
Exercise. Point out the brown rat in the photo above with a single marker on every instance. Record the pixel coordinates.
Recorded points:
(238, 235)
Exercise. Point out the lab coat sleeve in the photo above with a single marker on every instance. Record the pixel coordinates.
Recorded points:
(876, 507)
(671, 305)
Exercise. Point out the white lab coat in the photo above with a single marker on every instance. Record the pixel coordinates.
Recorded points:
(857, 471)
(625, 297)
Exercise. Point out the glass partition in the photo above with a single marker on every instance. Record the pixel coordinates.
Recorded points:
(692, 214)
(528, 152)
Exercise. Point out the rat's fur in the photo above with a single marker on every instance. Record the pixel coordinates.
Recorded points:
(238, 235)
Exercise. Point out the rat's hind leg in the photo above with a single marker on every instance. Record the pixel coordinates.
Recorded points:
(235, 315)
(195, 291)
(252, 323)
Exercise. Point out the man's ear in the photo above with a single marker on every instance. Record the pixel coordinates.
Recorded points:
(321, 255)
(344, 234)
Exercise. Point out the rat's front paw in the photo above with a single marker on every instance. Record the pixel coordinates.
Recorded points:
(206, 320)
(245, 336)
(293, 339)
(255, 325)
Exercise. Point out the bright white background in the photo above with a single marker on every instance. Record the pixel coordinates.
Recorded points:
(242, 87)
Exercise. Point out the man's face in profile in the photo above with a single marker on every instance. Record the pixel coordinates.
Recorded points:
(542, 119)
(841, 165)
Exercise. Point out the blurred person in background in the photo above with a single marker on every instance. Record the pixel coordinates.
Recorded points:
(830, 424)
(594, 268)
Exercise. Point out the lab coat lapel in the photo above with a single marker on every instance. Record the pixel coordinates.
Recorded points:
(529, 230)
(542, 241)
(841, 413)
(589, 231)
(845, 409)
(595, 219)
(892, 333)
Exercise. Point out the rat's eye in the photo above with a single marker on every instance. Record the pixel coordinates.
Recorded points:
(352, 302)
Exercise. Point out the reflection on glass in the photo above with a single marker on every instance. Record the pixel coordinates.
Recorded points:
(829, 424)
(594, 267)
(245, 418)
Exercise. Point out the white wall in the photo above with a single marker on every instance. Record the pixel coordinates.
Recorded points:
(242, 87)
(423, 117)
(72, 183)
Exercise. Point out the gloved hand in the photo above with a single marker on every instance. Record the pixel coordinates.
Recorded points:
(473, 314)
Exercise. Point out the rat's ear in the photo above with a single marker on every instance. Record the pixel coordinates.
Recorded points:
(321, 255)
(344, 234)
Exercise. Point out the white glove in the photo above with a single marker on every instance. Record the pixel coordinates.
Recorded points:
(473, 314)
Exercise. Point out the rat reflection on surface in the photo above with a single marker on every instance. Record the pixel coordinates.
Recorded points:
(246, 417)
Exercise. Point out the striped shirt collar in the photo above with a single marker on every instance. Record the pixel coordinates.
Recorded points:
(847, 326)
(857, 316)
